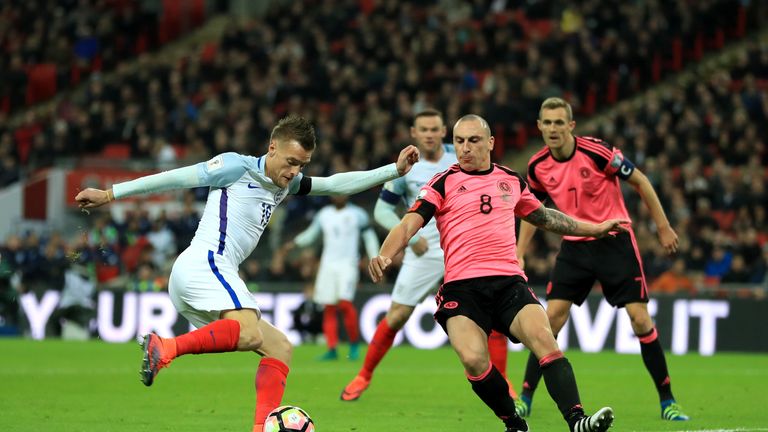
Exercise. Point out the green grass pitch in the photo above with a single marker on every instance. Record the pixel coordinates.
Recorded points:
(94, 387)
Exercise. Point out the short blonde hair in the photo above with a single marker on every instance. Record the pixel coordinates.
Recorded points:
(554, 103)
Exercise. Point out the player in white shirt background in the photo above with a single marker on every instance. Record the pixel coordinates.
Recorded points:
(341, 225)
(204, 285)
(423, 266)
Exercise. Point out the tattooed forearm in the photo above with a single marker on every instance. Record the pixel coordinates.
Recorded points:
(553, 220)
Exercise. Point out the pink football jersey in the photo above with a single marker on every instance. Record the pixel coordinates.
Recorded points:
(475, 214)
(586, 185)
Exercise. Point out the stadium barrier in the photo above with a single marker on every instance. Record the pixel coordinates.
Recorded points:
(703, 326)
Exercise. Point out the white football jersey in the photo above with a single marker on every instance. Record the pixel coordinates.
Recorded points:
(240, 202)
(407, 187)
(341, 229)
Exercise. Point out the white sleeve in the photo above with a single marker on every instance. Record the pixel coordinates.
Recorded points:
(371, 241)
(352, 182)
(309, 235)
(222, 170)
(385, 215)
(178, 178)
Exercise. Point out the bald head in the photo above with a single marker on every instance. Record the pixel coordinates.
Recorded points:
(474, 118)
(473, 143)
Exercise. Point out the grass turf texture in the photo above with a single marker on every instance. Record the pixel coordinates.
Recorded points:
(94, 386)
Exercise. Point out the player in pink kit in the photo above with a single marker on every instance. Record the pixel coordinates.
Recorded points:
(581, 177)
(475, 203)
(423, 268)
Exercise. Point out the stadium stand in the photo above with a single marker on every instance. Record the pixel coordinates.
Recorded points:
(54, 45)
(702, 145)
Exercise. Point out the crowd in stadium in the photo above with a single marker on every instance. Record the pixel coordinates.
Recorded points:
(360, 82)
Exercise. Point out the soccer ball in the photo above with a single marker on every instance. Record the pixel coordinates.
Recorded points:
(289, 419)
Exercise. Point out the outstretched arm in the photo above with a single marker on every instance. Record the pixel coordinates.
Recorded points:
(396, 241)
(186, 177)
(222, 170)
(667, 235)
(349, 183)
(560, 223)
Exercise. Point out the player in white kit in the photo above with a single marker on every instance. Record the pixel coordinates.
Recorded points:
(341, 225)
(204, 284)
(423, 266)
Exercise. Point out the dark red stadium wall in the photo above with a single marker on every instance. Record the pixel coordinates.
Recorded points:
(36, 198)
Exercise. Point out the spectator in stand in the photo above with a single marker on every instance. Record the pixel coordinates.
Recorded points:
(719, 263)
(760, 270)
(147, 279)
(674, 280)
(163, 242)
(228, 97)
(185, 224)
(738, 273)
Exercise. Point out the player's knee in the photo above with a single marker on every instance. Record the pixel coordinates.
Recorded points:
(279, 347)
(475, 362)
(557, 319)
(283, 349)
(251, 339)
(542, 336)
(641, 322)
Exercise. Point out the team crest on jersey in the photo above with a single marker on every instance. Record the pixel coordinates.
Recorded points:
(504, 186)
(584, 173)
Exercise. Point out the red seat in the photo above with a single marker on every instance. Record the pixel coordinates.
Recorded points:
(208, 53)
(197, 12)
(180, 150)
(42, 82)
(724, 218)
(170, 21)
(105, 273)
(119, 151)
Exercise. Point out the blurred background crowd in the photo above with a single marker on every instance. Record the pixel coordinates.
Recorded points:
(679, 86)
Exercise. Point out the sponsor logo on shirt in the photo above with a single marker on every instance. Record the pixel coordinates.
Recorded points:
(584, 173)
(250, 186)
(552, 180)
(461, 189)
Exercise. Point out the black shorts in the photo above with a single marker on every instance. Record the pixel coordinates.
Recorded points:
(492, 302)
(613, 261)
